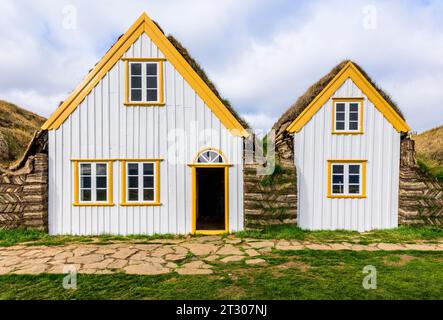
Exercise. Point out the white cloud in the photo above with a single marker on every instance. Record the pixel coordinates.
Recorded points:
(401, 53)
(261, 54)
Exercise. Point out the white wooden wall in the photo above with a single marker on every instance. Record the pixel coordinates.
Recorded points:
(380, 145)
(102, 127)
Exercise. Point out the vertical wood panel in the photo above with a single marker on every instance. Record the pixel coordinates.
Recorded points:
(102, 127)
(380, 145)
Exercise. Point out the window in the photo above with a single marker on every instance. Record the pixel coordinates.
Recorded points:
(141, 182)
(93, 183)
(347, 116)
(210, 156)
(347, 179)
(144, 82)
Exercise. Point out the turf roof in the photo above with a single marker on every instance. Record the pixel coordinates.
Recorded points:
(313, 91)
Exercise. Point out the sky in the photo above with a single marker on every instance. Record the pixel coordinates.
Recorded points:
(261, 54)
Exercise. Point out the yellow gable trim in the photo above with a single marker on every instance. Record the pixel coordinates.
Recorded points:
(145, 25)
(350, 71)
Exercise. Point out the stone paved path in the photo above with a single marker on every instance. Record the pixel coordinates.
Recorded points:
(184, 256)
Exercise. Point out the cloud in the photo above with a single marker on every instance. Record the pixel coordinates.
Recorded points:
(261, 54)
(404, 53)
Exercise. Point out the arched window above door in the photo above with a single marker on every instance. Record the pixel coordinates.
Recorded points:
(210, 156)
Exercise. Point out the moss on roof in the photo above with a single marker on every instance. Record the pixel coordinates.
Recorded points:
(202, 74)
(199, 70)
(313, 91)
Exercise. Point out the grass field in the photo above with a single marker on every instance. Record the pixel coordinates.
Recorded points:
(288, 275)
(429, 149)
(402, 234)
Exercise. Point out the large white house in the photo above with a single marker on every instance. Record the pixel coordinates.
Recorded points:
(145, 145)
(346, 136)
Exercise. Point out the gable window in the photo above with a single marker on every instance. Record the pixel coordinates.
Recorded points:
(93, 183)
(141, 182)
(347, 178)
(144, 82)
(347, 115)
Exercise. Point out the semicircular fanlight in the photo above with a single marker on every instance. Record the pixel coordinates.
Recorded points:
(210, 156)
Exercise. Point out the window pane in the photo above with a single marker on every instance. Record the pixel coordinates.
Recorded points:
(337, 189)
(101, 169)
(136, 95)
(151, 69)
(340, 107)
(148, 195)
(133, 169)
(136, 82)
(354, 169)
(151, 95)
(101, 182)
(101, 195)
(353, 125)
(337, 179)
(85, 183)
(85, 169)
(148, 168)
(133, 182)
(353, 116)
(148, 182)
(353, 107)
(354, 178)
(340, 126)
(152, 82)
(133, 195)
(85, 195)
(354, 189)
(136, 69)
(337, 168)
(340, 116)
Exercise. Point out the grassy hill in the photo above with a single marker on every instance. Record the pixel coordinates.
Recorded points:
(429, 147)
(17, 126)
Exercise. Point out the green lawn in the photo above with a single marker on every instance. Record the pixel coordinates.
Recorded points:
(304, 274)
(402, 234)
(34, 237)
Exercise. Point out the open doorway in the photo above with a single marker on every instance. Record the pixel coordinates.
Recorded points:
(210, 199)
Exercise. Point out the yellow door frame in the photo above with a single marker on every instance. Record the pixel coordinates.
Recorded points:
(194, 168)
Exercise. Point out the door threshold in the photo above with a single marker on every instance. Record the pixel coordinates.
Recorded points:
(210, 232)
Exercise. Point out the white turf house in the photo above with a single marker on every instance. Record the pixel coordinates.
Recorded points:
(145, 145)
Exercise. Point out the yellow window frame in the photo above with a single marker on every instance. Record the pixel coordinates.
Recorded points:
(360, 101)
(161, 90)
(110, 197)
(156, 202)
(362, 195)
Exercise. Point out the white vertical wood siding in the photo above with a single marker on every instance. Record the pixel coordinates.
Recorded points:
(380, 145)
(102, 127)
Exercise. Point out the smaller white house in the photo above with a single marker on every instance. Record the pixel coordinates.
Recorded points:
(145, 145)
(346, 148)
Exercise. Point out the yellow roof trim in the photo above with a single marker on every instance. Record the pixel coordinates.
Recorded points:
(350, 71)
(145, 25)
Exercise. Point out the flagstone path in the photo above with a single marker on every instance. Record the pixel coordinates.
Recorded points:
(184, 256)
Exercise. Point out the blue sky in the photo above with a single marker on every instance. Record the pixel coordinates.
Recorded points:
(262, 54)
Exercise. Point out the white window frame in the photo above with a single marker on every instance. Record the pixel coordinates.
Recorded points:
(93, 183)
(346, 183)
(144, 86)
(141, 187)
(347, 112)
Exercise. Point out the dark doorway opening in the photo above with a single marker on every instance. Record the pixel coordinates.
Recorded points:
(210, 207)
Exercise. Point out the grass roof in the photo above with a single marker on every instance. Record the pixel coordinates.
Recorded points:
(199, 70)
(313, 91)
